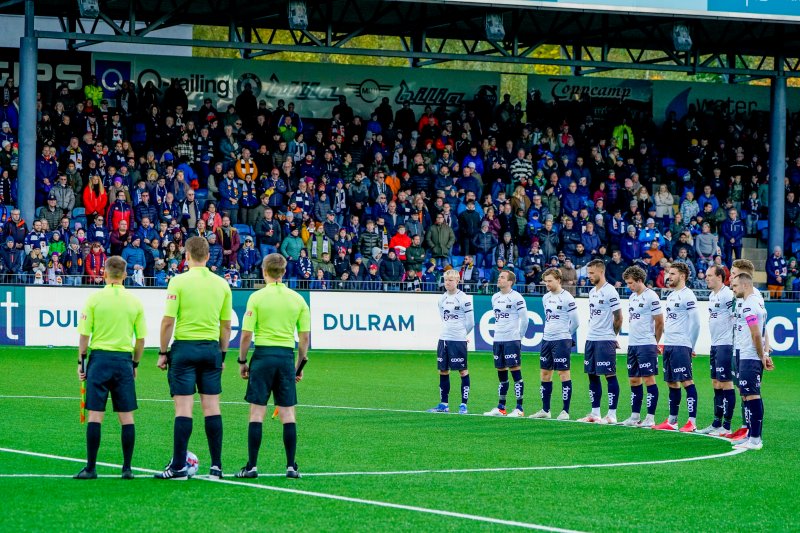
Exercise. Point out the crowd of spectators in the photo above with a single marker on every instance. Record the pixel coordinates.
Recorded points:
(385, 202)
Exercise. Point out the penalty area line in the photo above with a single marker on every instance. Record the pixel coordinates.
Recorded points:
(321, 495)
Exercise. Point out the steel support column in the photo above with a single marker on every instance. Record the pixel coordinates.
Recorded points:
(26, 176)
(777, 157)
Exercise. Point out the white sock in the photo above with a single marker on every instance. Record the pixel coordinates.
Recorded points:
(755, 440)
(693, 420)
(650, 418)
(612, 412)
(636, 416)
(673, 419)
(595, 411)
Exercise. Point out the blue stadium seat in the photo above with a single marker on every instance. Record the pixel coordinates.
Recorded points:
(795, 247)
(201, 195)
(761, 225)
(39, 212)
(78, 218)
(456, 261)
(243, 229)
(78, 211)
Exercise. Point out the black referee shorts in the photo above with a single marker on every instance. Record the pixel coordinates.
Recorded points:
(195, 366)
(272, 371)
(110, 372)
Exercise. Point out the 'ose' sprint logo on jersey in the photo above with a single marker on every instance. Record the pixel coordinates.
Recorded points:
(447, 315)
(593, 311)
(498, 314)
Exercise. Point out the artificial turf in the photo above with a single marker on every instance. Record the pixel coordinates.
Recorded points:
(745, 492)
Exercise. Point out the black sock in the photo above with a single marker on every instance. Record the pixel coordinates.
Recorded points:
(519, 387)
(128, 440)
(718, 408)
(652, 399)
(214, 435)
(728, 406)
(253, 443)
(181, 433)
(546, 391)
(465, 389)
(92, 444)
(290, 442)
(444, 388)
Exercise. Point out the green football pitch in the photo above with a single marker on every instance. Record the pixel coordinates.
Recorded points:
(373, 460)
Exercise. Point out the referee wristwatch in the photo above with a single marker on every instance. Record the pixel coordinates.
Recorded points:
(242, 362)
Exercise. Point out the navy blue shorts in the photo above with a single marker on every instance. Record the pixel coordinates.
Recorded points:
(195, 366)
(600, 358)
(722, 363)
(642, 361)
(507, 354)
(555, 354)
(451, 355)
(272, 372)
(677, 364)
(749, 377)
(110, 372)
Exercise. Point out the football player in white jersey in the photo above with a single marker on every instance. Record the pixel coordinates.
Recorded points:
(645, 325)
(600, 354)
(744, 266)
(721, 311)
(510, 325)
(752, 358)
(560, 325)
(458, 319)
(681, 329)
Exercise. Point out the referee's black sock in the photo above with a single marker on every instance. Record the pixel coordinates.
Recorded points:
(290, 442)
(92, 444)
(253, 443)
(214, 435)
(181, 433)
(128, 440)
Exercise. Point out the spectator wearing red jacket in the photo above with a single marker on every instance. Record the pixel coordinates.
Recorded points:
(120, 210)
(96, 264)
(95, 199)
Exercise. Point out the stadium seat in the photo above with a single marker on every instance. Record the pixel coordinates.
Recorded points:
(243, 229)
(76, 219)
(78, 211)
(201, 195)
(456, 261)
(39, 212)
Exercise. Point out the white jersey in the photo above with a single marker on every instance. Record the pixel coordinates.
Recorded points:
(457, 317)
(721, 316)
(682, 324)
(603, 302)
(752, 311)
(510, 316)
(738, 309)
(641, 310)
(561, 314)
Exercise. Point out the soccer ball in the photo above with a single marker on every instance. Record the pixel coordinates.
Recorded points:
(192, 463)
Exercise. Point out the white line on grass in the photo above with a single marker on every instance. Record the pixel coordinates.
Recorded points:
(323, 495)
(56, 476)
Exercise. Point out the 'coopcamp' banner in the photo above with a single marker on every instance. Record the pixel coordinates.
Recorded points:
(314, 87)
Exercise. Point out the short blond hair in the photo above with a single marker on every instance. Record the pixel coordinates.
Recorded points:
(116, 267)
(452, 274)
(197, 248)
(552, 272)
(744, 266)
(274, 265)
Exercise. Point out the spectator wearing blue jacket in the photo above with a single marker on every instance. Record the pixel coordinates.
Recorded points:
(473, 160)
(630, 246)
(468, 182)
(46, 174)
(571, 203)
(214, 263)
(133, 254)
(708, 197)
(275, 188)
(249, 259)
(651, 233)
(732, 233)
(230, 193)
(777, 269)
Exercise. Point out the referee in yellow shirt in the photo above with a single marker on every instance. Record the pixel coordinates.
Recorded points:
(111, 318)
(198, 311)
(273, 314)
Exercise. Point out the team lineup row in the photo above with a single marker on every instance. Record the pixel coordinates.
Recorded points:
(737, 321)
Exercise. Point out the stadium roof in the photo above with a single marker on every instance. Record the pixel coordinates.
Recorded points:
(586, 36)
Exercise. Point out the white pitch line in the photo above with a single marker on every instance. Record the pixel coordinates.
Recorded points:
(336, 497)
(48, 476)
